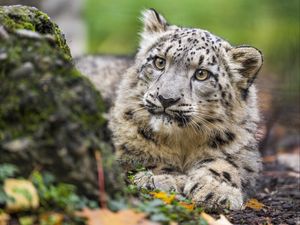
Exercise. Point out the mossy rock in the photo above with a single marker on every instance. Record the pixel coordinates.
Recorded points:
(30, 18)
(50, 115)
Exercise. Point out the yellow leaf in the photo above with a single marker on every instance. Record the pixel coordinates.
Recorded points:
(23, 193)
(166, 198)
(188, 206)
(254, 204)
(4, 218)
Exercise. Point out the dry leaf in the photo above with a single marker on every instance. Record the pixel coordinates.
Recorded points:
(166, 198)
(107, 217)
(4, 218)
(24, 194)
(188, 206)
(211, 221)
(254, 204)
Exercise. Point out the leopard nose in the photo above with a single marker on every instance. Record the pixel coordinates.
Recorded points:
(167, 102)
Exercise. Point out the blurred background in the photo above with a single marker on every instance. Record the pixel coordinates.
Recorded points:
(112, 27)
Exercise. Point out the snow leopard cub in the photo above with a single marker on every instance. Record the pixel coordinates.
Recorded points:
(187, 111)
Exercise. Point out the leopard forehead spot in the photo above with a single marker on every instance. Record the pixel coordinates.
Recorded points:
(190, 46)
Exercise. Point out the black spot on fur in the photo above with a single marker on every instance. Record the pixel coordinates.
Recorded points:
(168, 169)
(224, 201)
(201, 60)
(248, 169)
(209, 196)
(167, 50)
(147, 134)
(208, 160)
(214, 172)
(221, 139)
(230, 160)
(230, 136)
(234, 185)
(128, 115)
(214, 61)
(194, 188)
(227, 176)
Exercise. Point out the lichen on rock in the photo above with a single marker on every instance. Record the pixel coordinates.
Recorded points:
(50, 115)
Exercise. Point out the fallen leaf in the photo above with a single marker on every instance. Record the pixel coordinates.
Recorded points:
(131, 217)
(24, 195)
(188, 206)
(107, 217)
(254, 204)
(166, 198)
(4, 218)
(211, 221)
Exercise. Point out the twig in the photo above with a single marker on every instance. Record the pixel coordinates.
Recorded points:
(101, 180)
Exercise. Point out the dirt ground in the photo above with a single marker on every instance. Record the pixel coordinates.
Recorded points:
(279, 191)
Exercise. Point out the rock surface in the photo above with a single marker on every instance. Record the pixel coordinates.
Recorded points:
(105, 72)
(50, 115)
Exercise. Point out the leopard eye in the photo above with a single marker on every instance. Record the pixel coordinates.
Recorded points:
(201, 75)
(159, 63)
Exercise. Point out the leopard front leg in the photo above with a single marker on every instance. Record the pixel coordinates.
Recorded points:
(163, 182)
(215, 184)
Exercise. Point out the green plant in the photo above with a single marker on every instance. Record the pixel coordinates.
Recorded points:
(6, 171)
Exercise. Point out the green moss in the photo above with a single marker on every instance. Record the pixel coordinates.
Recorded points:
(23, 17)
(25, 85)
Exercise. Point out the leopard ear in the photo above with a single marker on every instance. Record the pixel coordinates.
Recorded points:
(153, 22)
(246, 61)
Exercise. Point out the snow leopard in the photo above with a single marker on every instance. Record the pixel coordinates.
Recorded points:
(186, 111)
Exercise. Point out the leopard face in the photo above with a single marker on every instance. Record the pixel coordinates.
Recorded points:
(193, 79)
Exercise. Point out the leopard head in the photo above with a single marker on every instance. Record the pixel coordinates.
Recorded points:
(193, 78)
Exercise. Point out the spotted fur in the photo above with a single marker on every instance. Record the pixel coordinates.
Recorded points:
(195, 137)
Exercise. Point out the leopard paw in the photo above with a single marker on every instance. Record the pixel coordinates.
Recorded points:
(163, 182)
(212, 193)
